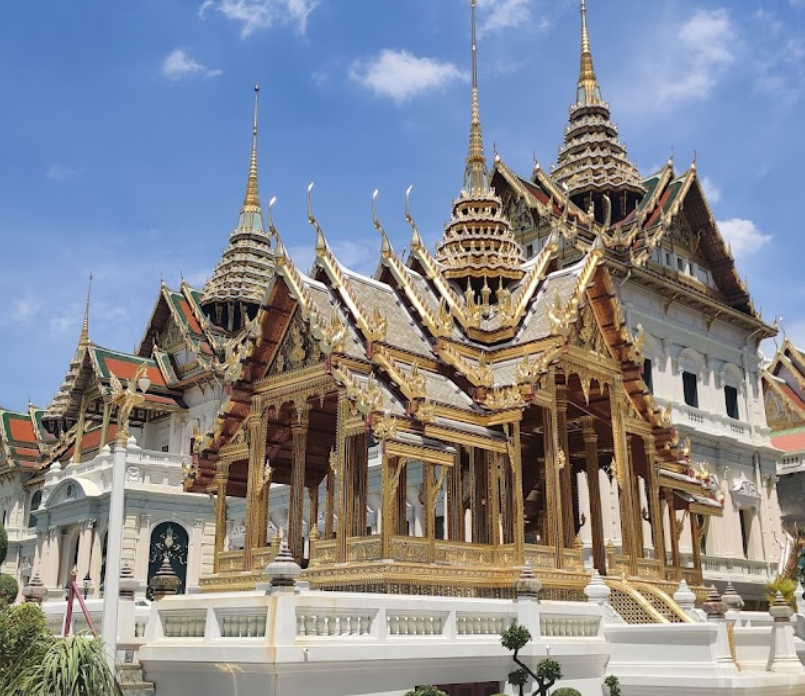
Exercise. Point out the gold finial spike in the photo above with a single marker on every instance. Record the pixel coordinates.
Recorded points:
(84, 340)
(476, 175)
(252, 199)
(589, 92)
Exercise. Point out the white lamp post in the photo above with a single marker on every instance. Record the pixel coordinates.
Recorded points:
(125, 400)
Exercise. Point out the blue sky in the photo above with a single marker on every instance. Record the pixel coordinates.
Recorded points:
(127, 129)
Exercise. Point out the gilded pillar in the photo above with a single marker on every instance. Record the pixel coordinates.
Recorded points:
(313, 526)
(254, 488)
(594, 488)
(221, 479)
(516, 511)
(655, 509)
(623, 475)
(344, 482)
(675, 527)
(299, 428)
(329, 505)
(636, 511)
(388, 486)
(696, 536)
(359, 468)
(455, 503)
(493, 461)
(553, 506)
(566, 473)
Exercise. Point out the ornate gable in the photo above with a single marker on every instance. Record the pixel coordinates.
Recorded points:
(298, 349)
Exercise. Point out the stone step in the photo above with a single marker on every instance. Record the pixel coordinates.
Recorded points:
(132, 681)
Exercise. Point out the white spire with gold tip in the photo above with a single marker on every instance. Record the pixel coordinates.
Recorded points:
(234, 292)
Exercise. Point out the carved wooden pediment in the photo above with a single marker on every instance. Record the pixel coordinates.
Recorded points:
(585, 333)
(298, 349)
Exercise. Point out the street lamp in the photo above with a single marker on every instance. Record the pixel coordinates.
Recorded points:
(87, 584)
(125, 400)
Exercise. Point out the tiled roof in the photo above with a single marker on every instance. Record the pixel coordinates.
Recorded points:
(790, 442)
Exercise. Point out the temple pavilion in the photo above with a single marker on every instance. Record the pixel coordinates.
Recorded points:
(488, 376)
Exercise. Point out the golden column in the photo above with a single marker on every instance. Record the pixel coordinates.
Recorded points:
(455, 530)
(566, 474)
(493, 472)
(518, 521)
(675, 528)
(594, 488)
(329, 505)
(221, 479)
(553, 496)
(623, 474)
(299, 429)
(388, 486)
(342, 478)
(254, 488)
(696, 536)
(655, 508)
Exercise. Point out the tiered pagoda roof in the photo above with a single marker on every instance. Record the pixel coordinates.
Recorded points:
(592, 160)
(784, 393)
(232, 294)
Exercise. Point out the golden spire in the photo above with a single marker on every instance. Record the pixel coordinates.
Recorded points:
(84, 341)
(589, 91)
(252, 199)
(476, 175)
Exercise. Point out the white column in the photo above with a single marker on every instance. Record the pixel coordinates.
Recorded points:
(140, 566)
(84, 549)
(195, 553)
(113, 553)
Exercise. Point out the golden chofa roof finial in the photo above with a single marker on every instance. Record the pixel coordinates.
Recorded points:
(84, 341)
(476, 175)
(589, 91)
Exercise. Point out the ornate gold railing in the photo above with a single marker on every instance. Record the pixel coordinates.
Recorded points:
(364, 549)
(540, 556)
(232, 561)
(324, 552)
(649, 568)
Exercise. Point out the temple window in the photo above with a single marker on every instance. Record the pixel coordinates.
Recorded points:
(690, 383)
(731, 399)
(36, 501)
(648, 374)
(745, 516)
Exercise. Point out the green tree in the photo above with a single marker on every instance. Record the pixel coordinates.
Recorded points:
(548, 672)
(614, 685)
(24, 638)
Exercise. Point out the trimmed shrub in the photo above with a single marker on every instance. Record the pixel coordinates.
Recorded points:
(566, 691)
(8, 589)
(426, 691)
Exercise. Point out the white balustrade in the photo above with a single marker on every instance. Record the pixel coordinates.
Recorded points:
(312, 621)
(185, 625)
(481, 624)
(242, 624)
(568, 627)
(414, 624)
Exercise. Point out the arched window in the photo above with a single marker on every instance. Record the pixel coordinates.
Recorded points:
(36, 503)
(168, 540)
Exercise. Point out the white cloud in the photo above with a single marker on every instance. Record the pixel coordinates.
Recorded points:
(703, 49)
(178, 65)
(743, 236)
(262, 14)
(711, 190)
(60, 172)
(401, 76)
(21, 311)
(504, 14)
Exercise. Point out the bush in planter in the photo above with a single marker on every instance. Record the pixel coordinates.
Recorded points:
(426, 691)
(566, 691)
(8, 589)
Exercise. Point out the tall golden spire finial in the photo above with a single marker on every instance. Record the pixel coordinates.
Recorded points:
(476, 175)
(84, 341)
(252, 199)
(589, 91)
